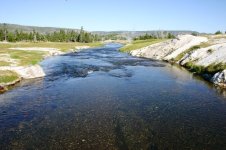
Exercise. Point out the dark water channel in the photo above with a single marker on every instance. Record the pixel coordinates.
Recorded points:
(103, 99)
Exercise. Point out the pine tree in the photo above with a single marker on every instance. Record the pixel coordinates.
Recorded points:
(34, 36)
(5, 31)
(170, 36)
(218, 32)
(11, 37)
(30, 37)
(1, 35)
(81, 35)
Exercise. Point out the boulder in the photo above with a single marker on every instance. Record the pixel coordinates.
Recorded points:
(2, 89)
(220, 78)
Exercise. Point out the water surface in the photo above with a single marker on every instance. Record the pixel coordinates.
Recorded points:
(103, 99)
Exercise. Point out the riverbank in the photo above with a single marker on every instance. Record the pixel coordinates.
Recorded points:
(21, 60)
(117, 97)
(202, 55)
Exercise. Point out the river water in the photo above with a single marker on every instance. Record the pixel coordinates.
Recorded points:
(103, 99)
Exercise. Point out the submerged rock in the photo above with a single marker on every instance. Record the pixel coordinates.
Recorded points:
(220, 78)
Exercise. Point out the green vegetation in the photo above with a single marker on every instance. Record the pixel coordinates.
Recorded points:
(220, 36)
(211, 69)
(194, 34)
(33, 57)
(57, 36)
(202, 45)
(149, 36)
(4, 63)
(139, 44)
(181, 55)
(170, 36)
(214, 68)
(7, 76)
(205, 44)
(218, 32)
(24, 58)
(209, 51)
(27, 57)
(112, 36)
(145, 37)
(63, 46)
(146, 40)
(194, 68)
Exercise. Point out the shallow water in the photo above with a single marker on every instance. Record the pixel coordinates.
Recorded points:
(103, 99)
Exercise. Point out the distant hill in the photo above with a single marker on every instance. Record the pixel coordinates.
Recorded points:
(126, 34)
(132, 34)
(42, 30)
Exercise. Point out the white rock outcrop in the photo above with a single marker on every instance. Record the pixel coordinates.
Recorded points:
(28, 72)
(220, 78)
(81, 47)
(213, 54)
(170, 48)
(205, 56)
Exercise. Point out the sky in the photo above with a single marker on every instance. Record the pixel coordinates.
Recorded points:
(111, 15)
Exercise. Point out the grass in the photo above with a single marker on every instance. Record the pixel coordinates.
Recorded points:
(63, 46)
(202, 45)
(140, 44)
(205, 44)
(181, 55)
(220, 36)
(7, 76)
(26, 58)
(214, 68)
(4, 63)
(211, 69)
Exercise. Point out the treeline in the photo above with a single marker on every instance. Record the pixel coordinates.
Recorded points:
(157, 36)
(112, 37)
(60, 36)
(219, 32)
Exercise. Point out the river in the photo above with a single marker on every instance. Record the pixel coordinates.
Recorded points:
(102, 99)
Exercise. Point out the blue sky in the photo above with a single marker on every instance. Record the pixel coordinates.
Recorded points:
(109, 15)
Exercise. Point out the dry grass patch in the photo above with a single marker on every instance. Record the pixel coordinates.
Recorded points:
(140, 44)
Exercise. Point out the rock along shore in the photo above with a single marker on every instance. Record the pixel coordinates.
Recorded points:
(209, 51)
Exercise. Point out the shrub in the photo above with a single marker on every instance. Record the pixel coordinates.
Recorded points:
(214, 68)
(209, 51)
(170, 36)
(218, 32)
(194, 34)
(181, 55)
(211, 69)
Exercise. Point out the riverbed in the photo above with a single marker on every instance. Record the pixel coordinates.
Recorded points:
(100, 98)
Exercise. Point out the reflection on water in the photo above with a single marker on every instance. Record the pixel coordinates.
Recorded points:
(102, 99)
